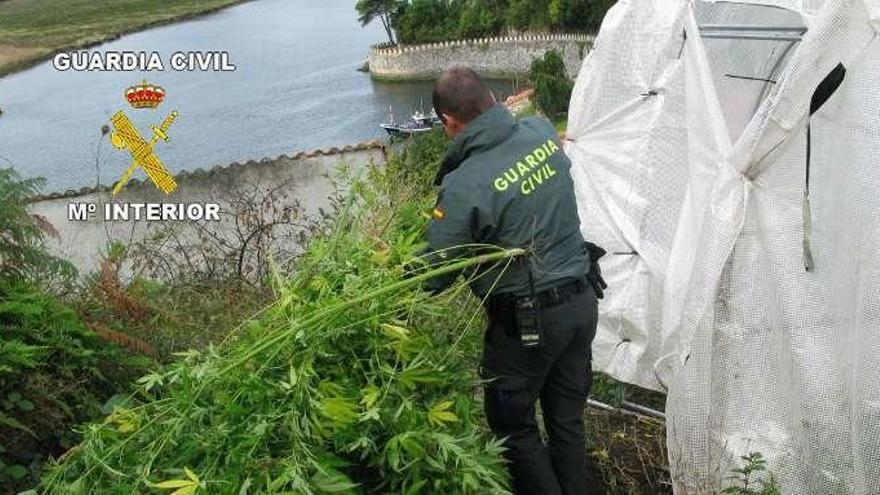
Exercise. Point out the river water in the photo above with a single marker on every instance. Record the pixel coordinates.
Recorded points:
(295, 87)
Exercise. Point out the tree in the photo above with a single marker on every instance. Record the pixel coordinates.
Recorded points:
(528, 15)
(370, 10)
(555, 11)
(520, 14)
(552, 85)
(578, 15)
(478, 19)
(426, 21)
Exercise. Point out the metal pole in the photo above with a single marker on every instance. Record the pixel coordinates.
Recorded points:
(725, 27)
(628, 409)
(605, 407)
(761, 37)
(644, 410)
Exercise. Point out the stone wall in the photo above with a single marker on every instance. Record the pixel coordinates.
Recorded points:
(500, 57)
(307, 179)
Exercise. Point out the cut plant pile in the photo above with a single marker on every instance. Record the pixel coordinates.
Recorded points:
(354, 381)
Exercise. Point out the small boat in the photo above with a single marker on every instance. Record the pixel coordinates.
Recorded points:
(417, 124)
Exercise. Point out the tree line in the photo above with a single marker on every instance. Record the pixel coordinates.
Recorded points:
(428, 21)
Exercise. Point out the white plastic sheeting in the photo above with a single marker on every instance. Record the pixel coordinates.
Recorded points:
(690, 164)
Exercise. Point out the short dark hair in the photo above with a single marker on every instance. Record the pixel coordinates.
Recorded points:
(461, 92)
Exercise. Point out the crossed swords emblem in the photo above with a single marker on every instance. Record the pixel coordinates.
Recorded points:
(125, 135)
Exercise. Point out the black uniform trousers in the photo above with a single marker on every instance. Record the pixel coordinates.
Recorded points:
(558, 373)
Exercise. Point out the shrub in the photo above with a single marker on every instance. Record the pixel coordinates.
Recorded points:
(353, 381)
(54, 372)
(552, 86)
(157, 319)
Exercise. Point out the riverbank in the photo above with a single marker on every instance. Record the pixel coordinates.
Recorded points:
(32, 31)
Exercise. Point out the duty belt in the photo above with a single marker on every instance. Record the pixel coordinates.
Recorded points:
(548, 298)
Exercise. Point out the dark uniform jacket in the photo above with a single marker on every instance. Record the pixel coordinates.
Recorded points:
(507, 184)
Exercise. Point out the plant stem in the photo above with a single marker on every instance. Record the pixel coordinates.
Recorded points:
(402, 284)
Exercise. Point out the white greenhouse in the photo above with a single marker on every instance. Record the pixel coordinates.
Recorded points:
(727, 155)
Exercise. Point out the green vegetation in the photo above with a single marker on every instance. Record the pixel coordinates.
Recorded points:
(54, 371)
(748, 479)
(31, 30)
(425, 21)
(370, 10)
(333, 374)
(561, 125)
(353, 381)
(68, 347)
(157, 319)
(552, 86)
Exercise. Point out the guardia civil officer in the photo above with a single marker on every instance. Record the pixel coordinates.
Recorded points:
(507, 183)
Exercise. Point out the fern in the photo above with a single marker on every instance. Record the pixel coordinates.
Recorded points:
(22, 254)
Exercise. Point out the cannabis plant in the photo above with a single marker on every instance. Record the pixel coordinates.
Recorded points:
(353, 381)
(749, 479)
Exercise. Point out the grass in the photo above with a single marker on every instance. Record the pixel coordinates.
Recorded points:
(33, 30)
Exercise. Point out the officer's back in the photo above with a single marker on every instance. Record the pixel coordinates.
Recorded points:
(508, 185)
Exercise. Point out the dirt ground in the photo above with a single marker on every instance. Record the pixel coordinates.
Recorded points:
(629, 452)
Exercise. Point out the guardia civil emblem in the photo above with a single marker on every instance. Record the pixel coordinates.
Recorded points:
(126, 136)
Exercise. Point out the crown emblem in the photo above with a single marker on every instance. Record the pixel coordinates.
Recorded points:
(145, 95)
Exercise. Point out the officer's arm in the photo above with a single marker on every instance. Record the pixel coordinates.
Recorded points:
(450, 231)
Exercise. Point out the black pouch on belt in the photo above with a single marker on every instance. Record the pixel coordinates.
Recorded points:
(527, 311)
(528, 321)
